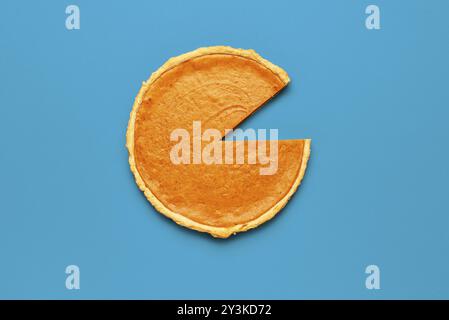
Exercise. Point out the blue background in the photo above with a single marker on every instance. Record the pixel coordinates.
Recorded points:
(375, 103)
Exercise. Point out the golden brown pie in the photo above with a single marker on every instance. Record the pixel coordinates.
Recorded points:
(219, 86)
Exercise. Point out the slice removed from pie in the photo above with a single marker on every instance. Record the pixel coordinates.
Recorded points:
(219, 86)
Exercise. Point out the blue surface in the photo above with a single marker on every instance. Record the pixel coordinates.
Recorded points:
(375, 103)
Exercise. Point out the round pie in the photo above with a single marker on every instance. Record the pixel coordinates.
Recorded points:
(218, 87)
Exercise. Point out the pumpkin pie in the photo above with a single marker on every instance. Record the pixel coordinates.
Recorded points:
(221, 87)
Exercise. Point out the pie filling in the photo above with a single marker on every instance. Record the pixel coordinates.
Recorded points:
(220, 90)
